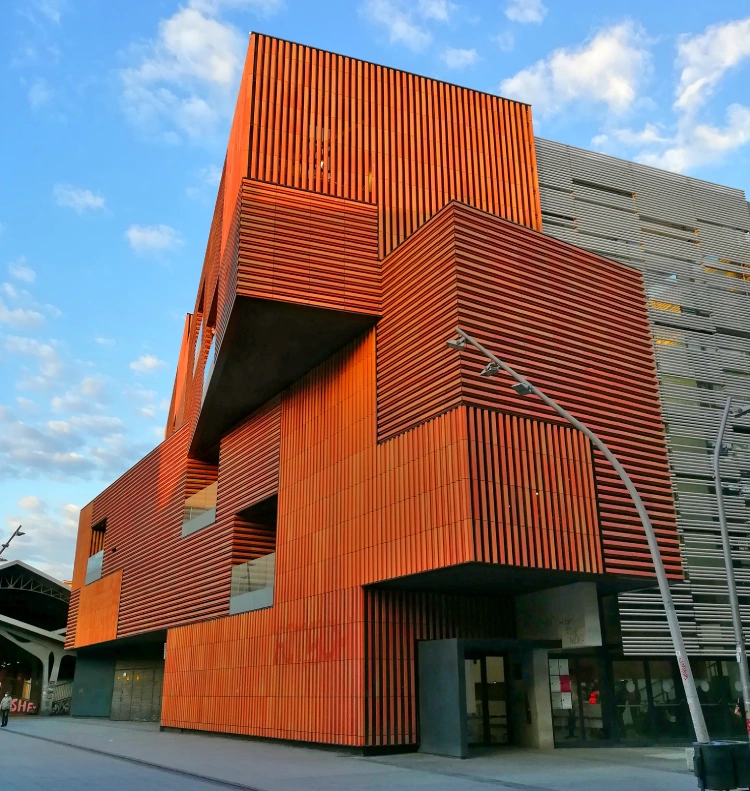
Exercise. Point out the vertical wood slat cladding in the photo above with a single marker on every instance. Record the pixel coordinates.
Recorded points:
(533, 493)
(97, 541)
(98, 608)
(394, 622)
(351, 512)
(70, 632)
(297, 246)
(339, 126)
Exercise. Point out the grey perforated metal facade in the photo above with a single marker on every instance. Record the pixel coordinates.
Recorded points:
(691, 240)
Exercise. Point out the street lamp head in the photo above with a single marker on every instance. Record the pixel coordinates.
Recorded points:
(457, 344)
(491, 369)
(20, 533)
(522, 388)
(742, 412)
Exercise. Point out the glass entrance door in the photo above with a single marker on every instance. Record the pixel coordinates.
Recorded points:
(576, 691)
(486, 700)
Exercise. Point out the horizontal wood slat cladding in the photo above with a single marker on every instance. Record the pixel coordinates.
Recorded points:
(297, 246)
(70, 632)
(339, 126)
(576, 325)
(351, 512)
(167, 579)
(533, 493)
(420, 303)
(198, 475)
(394, 622)
(251, 540)
(248, 473)
(98, 609)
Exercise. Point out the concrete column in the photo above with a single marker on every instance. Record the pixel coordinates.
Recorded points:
(442, 698)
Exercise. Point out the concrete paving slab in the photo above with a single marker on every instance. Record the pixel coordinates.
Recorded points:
(269, 766)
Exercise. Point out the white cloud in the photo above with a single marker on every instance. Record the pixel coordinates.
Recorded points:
(650, 134)
(702, 144)
(440, 10)
(20, 271)
(459, 58)
(525, 11)
(39, 93)
(214, 6)
(401, 29)
(704, 59)
(50, 10)
(50, 535)
(104, 341)
(505, 40)
(608, 69)
(153, 238)
(50, 365)
(146, 363)
(77, 198)
(187, 76)
(20, 318)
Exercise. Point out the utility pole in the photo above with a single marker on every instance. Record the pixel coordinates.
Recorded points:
(523, 388)
(734, 602)
(3, 547)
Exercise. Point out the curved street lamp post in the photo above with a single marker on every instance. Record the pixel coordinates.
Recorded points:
(523, 388)
(3, 547)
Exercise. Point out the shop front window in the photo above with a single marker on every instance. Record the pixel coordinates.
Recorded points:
(670, 708)
(631, 699)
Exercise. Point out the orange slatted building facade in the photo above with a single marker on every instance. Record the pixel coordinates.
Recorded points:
(342, 507)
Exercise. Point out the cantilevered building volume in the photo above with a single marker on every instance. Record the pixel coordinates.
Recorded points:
(348, 535)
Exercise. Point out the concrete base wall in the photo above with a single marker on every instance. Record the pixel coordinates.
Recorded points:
(93, 684)
(442, 698)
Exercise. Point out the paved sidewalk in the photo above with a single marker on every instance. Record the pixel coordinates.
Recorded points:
(266, 766)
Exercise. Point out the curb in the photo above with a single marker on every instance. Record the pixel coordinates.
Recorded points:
(141, 762)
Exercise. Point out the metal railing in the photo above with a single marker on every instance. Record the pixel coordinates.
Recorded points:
(254, 575)
(94, 567)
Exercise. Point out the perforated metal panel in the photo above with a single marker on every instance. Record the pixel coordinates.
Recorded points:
(691, 240)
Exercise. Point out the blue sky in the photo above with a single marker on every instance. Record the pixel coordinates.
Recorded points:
(115, 118)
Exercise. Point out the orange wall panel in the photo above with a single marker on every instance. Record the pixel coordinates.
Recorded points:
(351, 511)
(83, 545)
(297, 246)
(574, 323)
(167, 579)
(533, 493)
(98, 610)
(340, 126)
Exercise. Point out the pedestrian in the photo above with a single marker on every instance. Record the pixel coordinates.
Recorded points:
(5, 705)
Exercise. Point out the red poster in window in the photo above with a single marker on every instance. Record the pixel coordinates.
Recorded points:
(564, 683)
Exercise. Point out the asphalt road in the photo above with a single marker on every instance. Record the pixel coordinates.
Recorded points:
(31, 765)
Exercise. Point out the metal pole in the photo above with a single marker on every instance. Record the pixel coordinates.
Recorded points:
(15, 533)
(691, 693)
(734, 602)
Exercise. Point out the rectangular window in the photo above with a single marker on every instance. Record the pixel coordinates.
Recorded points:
(96, 552)
(254, 556)
(199, 510)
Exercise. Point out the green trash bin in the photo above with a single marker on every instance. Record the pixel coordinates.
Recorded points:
(722, 765)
